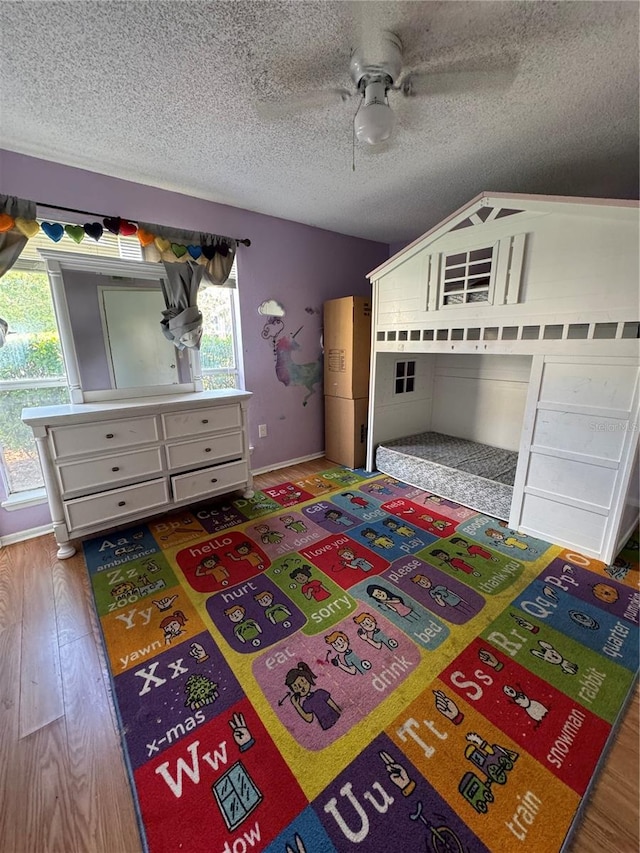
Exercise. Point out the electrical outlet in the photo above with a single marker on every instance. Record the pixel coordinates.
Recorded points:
(262, 430)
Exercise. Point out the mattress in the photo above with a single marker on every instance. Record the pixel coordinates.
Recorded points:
(476, 475)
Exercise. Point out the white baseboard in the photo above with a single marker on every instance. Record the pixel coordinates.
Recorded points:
(298, 461)
(22, 535)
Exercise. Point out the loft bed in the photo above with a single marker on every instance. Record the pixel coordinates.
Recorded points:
(508, 285)
(476, 475)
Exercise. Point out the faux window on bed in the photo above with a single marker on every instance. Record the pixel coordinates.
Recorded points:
(405, 379)
(467, 277)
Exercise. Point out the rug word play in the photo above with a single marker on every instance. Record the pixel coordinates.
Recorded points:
(347, 663)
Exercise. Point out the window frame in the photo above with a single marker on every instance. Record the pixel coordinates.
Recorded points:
(464, 289)
(405, 378)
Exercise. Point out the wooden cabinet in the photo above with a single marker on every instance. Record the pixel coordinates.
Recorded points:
(106, 464)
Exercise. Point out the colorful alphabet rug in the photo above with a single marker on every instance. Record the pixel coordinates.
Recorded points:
(347, 663)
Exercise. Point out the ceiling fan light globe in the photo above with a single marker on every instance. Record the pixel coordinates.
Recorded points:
(374, 123)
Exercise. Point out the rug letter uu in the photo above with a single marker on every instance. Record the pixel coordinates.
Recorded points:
(348, 663)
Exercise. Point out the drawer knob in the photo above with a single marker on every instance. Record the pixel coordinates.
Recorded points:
(115, 468)
(205, 420)
(207, 450)
(214, 480)
(109, 435)
(121, 503)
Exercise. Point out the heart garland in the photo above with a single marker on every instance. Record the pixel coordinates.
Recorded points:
(144, 237)
(53, 230)
(127, 229)
(94, 230)
(112, 223)
(6, 222)
(76, 232)
(28, 227)
(115, 225)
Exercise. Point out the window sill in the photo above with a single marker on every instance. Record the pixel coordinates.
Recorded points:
(24, 500)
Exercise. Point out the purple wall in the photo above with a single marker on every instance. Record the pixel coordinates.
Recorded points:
(297, 265)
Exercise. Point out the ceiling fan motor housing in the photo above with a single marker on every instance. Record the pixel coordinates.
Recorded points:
(379, 63)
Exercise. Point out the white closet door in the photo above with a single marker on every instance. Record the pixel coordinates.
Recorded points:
(138, 360)
(578, 442)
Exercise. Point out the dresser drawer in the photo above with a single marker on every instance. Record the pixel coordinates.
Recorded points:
(107, 507)
(102, 472)
(196, 421)
(102, 436)
(209, 481)
(205, 450)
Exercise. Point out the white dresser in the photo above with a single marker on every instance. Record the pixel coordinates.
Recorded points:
(107, 464)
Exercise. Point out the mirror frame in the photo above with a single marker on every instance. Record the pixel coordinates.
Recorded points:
(56, 263)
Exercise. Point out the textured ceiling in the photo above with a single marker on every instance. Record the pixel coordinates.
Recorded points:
(165, 93)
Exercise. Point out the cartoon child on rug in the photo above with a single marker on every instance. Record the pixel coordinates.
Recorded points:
(379, 540)
(356, 500)
(269, 536)
(369, 632)
(398, 527)
(172, 626)
(508, 541)
(308, 587)
(245, 553)
(441, 594)
(275, 613)
(245, 629)
(349, 560)
(345, 658)
(292, 523)
(213, 566)
(310, 704)
(473, 549)
(389, 601)
(455, 563)
(337, 517)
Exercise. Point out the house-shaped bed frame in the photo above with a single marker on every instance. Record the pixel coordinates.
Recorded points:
(514, 324)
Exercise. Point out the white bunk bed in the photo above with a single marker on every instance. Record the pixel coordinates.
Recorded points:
(510, 331)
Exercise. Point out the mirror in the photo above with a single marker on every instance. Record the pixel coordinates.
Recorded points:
(109, 312)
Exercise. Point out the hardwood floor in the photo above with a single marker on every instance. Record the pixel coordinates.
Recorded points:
(63, 785)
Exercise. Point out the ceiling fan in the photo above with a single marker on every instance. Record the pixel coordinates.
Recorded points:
(378, 70)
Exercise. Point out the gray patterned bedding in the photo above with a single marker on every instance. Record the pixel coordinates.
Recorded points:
(476, 475)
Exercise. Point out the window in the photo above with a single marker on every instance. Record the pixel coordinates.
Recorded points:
(405, 377)
(467, 277)
(219, 353)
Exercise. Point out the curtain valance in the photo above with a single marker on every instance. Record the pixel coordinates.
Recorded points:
(211, 251)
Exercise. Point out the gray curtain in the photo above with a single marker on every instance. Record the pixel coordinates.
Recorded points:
(12, 242)
(182, 321)
(217, 256)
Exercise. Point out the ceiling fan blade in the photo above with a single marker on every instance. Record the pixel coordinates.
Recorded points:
(458, 82)
(291, 106)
